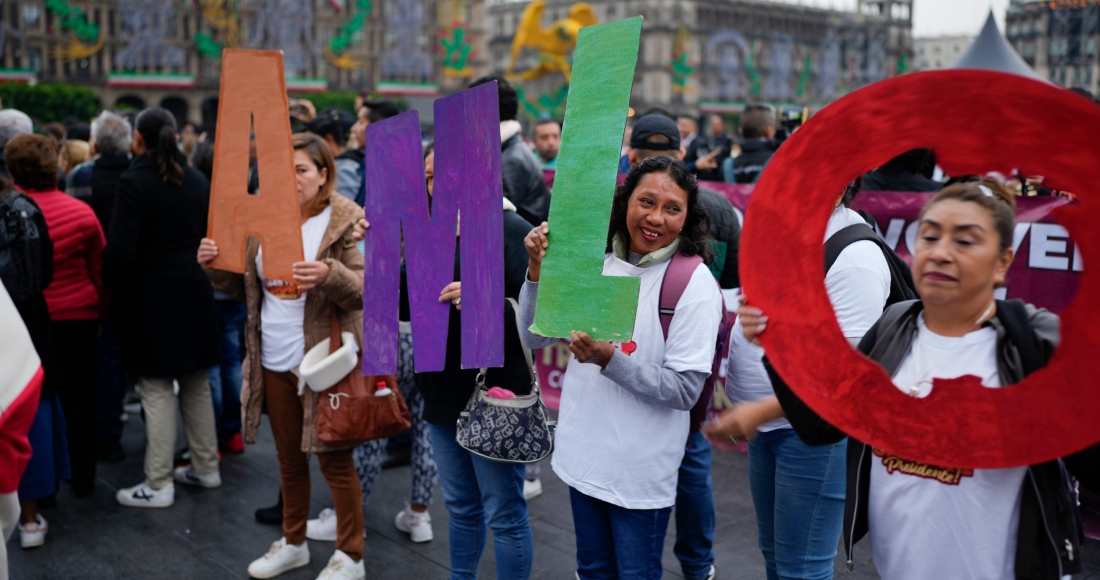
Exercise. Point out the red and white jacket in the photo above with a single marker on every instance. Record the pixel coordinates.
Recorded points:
(20, 384)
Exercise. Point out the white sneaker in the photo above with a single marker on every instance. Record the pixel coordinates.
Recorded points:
(417, 525)
(33, 535)
(532, 488)
(141, 495)
(712, 572)
(341, 567)
(187, 475)
(322, 529)
(281, 557)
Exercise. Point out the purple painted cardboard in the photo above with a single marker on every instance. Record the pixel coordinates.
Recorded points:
(467, 177)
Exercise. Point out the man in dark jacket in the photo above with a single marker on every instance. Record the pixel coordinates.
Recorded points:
(370, 112)
(523, 184)
(757, 145)
(655, 135)
(706, 153)
(910, 171)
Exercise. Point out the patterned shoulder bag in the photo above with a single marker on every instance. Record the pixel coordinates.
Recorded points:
(517, 430)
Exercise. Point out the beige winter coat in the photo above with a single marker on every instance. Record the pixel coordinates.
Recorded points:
(343, 288)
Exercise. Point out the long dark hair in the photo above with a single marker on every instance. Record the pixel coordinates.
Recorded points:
(695, 237)
(158, 129)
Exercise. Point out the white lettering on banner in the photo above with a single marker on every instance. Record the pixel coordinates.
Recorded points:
(740, 216)
(893, 232)
(1048, 239)
(1078, 265)
(1018, 236)
(911, 238)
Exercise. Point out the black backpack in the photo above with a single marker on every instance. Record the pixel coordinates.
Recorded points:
(901, 278)
(21, 246)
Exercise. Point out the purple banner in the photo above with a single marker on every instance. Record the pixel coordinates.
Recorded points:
(1045, 273)
(467, 177)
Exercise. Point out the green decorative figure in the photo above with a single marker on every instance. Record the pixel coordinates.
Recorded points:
(456, 51)
(681, 72)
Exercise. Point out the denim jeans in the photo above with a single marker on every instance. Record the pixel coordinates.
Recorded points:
(110, 381)
(479, 491)
(225, 379)
(695, 510)
(615, 542)
(798, 492)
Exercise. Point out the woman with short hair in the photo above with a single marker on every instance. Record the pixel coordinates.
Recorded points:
(76, 296)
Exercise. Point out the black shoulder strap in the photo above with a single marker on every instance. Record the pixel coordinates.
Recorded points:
(901, 278)
(844, 238)
(1013, 315)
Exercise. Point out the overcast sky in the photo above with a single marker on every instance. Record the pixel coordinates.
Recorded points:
(937, 17)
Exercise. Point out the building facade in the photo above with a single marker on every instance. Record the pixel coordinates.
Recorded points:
(717, 55)
(1058, 38)
(167, 52)
(939, 52)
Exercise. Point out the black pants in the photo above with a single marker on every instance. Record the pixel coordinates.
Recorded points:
(75, 341)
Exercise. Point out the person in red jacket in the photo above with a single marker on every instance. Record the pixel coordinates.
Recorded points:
(76, 296)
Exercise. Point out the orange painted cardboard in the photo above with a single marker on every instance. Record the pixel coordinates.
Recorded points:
(253, 88)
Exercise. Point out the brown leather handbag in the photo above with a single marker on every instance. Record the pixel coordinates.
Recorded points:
(349, 412)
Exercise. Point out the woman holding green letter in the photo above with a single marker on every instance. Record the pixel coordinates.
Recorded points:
(623, 422)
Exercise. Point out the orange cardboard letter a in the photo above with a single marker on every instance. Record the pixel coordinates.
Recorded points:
(253, 95)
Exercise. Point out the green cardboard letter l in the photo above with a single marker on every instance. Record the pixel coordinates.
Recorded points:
(573, 292)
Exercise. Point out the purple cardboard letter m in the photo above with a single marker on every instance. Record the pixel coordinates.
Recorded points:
(467, 177)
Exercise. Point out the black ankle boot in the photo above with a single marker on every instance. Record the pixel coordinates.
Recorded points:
(272, 515)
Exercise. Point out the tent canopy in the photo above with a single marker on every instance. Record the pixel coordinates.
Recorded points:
(991, 51)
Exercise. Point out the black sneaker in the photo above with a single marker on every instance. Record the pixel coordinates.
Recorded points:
(109, 451)
(271, 515)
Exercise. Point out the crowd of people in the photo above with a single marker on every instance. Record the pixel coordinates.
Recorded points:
(113, 276)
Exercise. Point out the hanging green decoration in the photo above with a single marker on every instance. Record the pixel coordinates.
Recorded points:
(681, 72)
(456, 52)
(750, 66)
(74, 19)
(903, 63)
(545, 106)
(804, 78)
(344, 37)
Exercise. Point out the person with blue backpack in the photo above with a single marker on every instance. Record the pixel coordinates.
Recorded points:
(624, 417)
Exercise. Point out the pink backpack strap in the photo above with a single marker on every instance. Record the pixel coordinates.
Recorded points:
(677, 277)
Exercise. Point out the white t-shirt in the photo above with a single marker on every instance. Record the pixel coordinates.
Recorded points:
(933, 523)
(610, 444)
(858, 284)
(282, 338)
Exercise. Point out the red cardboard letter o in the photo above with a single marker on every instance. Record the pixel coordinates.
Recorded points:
(976, 121)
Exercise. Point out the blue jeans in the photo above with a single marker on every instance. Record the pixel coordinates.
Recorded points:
(695, 510)
(798, 492)
(479, 491)
(225, 379)
(614, 542)
(110, 381)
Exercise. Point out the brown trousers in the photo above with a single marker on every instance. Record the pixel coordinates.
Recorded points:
(284, 408)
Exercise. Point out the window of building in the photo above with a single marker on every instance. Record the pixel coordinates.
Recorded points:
(1089, 46)
(32, 58)
(31, 15)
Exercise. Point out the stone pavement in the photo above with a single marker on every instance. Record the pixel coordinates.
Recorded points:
(211, 534)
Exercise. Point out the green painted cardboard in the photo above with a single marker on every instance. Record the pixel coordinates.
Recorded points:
(573, 292)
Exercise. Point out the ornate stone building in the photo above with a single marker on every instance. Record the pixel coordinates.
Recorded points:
(1058, 38)
(167, 52)
(717, 55)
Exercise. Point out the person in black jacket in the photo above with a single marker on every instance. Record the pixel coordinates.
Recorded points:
(523, 183)
(910, 171)
(706, 153)
(757, 145)
(934, 522)
(167, 321)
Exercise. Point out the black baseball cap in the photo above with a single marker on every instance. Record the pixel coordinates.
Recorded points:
(651, 125)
